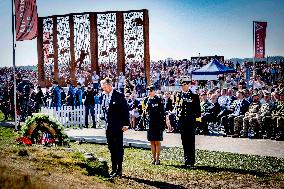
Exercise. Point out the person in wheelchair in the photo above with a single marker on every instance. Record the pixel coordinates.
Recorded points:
(210, 115)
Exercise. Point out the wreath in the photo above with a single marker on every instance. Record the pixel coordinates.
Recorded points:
(43, 129)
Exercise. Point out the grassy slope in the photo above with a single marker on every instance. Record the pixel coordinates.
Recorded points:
(58, 168)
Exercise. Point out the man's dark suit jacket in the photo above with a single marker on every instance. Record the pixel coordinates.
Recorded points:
(117, 114)
(243, 108)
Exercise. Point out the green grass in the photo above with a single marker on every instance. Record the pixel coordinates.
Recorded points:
(213, 169)
(1, 116)
(214, 166)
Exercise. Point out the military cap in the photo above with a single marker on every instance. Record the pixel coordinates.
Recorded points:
(185, 80)
(254, 94)
(151, 88)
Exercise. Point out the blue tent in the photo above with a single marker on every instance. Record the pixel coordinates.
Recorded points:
(213, 68)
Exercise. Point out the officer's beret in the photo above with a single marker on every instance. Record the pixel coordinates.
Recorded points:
(254, 94)
(151, 88)
(184, 81)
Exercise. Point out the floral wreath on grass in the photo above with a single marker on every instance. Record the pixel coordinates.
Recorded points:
(43, 129)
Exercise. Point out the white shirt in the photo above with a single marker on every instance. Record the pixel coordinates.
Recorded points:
(107, 99)
(95, 78)
(223, 100)
(81, 80)
(106, 103)
(121, 79)
(193, 89)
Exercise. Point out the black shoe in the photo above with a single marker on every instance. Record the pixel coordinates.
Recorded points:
(189, 165)
(235, 136)
(116, 174)
(112, 173)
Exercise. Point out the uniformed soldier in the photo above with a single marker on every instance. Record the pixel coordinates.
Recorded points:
(188, 109)
(204, 104)
(278, 118)
(264, 116)
(155, 115)
(250, 118)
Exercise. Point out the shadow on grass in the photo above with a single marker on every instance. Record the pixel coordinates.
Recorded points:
(219, 169)
(157, 184)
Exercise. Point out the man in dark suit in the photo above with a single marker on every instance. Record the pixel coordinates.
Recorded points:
(89, 103)
(117, 121)
(188, 109)
(240, 109)
(210, 114)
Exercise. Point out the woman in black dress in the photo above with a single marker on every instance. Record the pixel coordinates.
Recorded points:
(155, 116)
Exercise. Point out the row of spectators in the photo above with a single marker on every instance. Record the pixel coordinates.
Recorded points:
(163, 73)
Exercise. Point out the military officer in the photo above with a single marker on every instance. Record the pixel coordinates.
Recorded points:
(155, 114)
(188, 109)
(278, 118)
(250, 118)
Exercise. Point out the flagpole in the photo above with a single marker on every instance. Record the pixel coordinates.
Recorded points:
(14, 65)
(253, 60)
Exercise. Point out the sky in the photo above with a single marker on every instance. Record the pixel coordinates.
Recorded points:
(178, 28)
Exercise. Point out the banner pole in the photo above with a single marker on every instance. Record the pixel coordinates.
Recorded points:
(14, 66)
(253, 60)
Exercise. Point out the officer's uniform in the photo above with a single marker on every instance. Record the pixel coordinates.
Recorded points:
(188, 109)
(155, 115)
(278, 118)
(250, 119)
(264, 119)
(204, 105)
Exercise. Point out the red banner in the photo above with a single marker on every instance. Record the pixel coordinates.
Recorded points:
(259, 39)
(26, 19)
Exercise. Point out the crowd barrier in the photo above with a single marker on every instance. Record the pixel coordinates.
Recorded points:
(74, 116)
